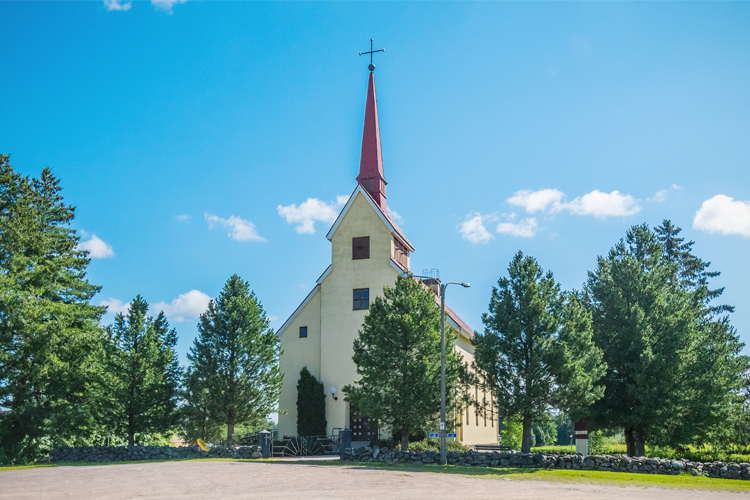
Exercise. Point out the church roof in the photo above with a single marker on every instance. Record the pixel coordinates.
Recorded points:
(382, 213)
(371, 160)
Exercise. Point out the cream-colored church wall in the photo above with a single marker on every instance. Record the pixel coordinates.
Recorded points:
(340, 323)
(297, 353)
(474, 429)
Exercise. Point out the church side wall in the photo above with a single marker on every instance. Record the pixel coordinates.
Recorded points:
(297, 353)
(474, 428)
(340, 323)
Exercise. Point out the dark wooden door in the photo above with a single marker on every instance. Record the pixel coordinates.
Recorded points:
(363, 428)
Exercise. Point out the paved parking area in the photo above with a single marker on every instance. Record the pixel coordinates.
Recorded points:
(287, 480)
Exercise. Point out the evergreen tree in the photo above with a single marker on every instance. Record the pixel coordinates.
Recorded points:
(311, 405)
(144, 373)
(673, 365)
(537, 350)
(397, 353)
(235, 359)
(195, 418)
(50, 340)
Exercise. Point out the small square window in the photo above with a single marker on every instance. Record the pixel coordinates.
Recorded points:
(361, 248)
(303, 331)
(361, 298)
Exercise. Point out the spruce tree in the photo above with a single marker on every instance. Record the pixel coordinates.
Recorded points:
(144, 373)
(311, 405)
(235, 359)
(397, 354)
(50, 340)
(537, 350)
(674, 361)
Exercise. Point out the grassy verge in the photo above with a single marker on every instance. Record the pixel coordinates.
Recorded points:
(622, 479)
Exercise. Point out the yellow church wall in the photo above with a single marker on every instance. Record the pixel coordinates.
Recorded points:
(339, 322)
(473, 427)
(297, 353)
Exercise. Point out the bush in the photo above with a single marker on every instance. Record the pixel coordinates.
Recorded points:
(424, 444)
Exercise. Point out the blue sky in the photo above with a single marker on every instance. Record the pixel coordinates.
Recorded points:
(181, 131)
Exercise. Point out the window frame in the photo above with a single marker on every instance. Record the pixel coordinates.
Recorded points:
(361, 303)
(301, 329)
(364, 249)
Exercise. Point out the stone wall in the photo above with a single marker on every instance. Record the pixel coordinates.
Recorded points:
(123, 453)
(616, 463)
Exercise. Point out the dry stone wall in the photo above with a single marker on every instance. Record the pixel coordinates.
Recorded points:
(125, 453)
(611, 463)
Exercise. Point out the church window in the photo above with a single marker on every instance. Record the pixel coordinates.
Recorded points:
(361, 248)
(400, 253)
(302, 331)
(361, 298)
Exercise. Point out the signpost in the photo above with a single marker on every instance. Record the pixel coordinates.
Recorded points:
(451, 434)
(434, 435)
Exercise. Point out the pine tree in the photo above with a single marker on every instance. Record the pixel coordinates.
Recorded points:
(195, 418)
(537, 350)
(311, 405)
(50, 340)
(144, 373)
(672, 366)
(235, 359)
(397, 353)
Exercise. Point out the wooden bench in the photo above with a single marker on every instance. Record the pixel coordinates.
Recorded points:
(491, 447)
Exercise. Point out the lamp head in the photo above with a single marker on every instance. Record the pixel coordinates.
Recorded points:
(465, 285)
(333, 390)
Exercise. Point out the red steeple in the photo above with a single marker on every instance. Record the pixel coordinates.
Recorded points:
(371, 163)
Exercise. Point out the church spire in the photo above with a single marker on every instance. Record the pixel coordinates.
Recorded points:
(371, 162)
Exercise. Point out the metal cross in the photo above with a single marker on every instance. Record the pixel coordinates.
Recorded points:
(371, 67)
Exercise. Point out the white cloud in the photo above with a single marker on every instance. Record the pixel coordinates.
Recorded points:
(660, 196)
(182, 217)
(675, 186)
(117, 5)
(311, 211)
(525, 228)
(395, 216)
(188, 305)
(166, 5)
(473, 229)
(722, 214)
(96, 247)
(603, 205)
(242, 230)
(115, 306)
(534, 201)
(273, 318)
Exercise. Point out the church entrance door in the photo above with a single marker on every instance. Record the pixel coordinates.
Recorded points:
(360, 425)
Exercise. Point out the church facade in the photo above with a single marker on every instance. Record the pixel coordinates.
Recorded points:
(368, 252)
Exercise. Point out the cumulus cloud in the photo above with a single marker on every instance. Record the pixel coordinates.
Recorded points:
(187, 305)
(117, 5)
(241, 229)
(535, 201)
(724, 215)
(525, 228)
(473, 228)
(603, 205)
(595, 203)
(395, 216)
(96, 247)
(166, 5)
(660, 196)
(182, 217)
(311, 211)
(115, 306)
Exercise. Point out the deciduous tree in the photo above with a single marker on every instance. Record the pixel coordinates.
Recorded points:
(397, 353)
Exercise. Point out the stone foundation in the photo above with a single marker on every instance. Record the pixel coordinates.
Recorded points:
(125, 453)
(609, 463)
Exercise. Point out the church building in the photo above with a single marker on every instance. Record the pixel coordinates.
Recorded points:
(368, 252)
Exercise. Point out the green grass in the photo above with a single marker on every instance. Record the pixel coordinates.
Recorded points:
(621, 479)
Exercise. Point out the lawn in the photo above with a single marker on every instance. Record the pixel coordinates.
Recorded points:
(683, 481)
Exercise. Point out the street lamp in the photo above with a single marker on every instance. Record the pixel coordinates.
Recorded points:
(443, 454)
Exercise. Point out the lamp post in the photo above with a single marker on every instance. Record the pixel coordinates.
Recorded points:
(443, 450)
